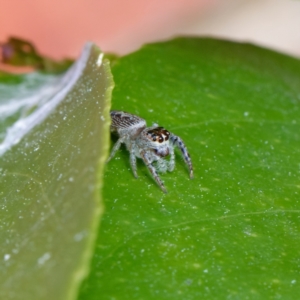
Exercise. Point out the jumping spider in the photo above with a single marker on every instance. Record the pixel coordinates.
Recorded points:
(151, 144)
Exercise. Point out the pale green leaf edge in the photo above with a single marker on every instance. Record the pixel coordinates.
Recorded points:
(85, 266)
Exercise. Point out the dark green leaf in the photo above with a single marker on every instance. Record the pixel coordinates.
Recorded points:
(232, 232)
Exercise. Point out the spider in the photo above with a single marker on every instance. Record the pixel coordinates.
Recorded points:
(151, 144)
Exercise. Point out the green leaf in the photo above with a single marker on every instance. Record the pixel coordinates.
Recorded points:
(232, 232)
(54, 134)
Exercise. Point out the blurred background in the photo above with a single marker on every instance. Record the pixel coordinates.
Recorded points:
(60, 28)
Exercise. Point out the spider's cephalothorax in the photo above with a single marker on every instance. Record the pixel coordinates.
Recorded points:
(152, 144)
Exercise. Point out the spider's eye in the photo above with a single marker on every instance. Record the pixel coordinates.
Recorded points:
(158, 134)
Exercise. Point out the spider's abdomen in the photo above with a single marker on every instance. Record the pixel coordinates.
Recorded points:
(124, 123)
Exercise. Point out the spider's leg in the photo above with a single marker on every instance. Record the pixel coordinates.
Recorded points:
(115, 148)
(176, 140)
(133, 161)
(151, 168)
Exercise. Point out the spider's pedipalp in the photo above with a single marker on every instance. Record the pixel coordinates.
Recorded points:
(172, 160)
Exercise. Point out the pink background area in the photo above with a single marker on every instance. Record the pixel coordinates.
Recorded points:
(60, 28)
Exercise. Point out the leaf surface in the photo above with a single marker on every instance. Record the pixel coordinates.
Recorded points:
(54, 141)
(232, 232)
